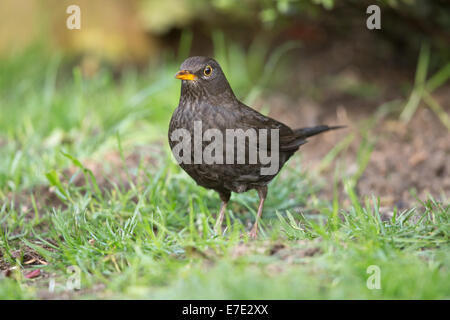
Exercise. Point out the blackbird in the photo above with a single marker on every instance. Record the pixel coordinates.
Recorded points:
(208, 102)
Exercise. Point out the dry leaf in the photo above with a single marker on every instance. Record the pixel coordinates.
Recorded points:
(33, 274)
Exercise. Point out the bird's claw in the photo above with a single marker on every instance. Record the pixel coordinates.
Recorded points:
(253, 234)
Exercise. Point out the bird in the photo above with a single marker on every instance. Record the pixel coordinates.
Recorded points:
(208, 100)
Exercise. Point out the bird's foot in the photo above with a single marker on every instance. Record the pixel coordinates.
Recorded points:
(253, 234)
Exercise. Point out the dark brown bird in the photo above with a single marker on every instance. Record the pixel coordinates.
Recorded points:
(207, 99)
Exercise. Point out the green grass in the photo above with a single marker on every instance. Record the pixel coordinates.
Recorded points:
(423, 88)
(143, 229)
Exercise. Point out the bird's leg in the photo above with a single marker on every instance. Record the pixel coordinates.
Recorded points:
(262, 192)
(219, 221)
(225, 197)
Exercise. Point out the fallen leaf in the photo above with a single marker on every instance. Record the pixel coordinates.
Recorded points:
(33, 274)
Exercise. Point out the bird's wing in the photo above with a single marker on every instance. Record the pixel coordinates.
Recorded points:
(289, 141)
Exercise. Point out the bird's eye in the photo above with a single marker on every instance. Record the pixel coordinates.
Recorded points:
(207, 71)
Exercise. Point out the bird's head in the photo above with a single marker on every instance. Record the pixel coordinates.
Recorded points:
(203, 74)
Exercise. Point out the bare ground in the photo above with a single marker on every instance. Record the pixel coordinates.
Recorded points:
(409, 161)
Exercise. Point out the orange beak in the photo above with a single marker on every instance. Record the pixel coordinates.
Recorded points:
(185, 75)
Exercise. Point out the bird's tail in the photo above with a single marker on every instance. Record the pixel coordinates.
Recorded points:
(301, 134)
(312, 131)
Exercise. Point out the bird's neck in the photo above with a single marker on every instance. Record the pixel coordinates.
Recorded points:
(197, 95)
